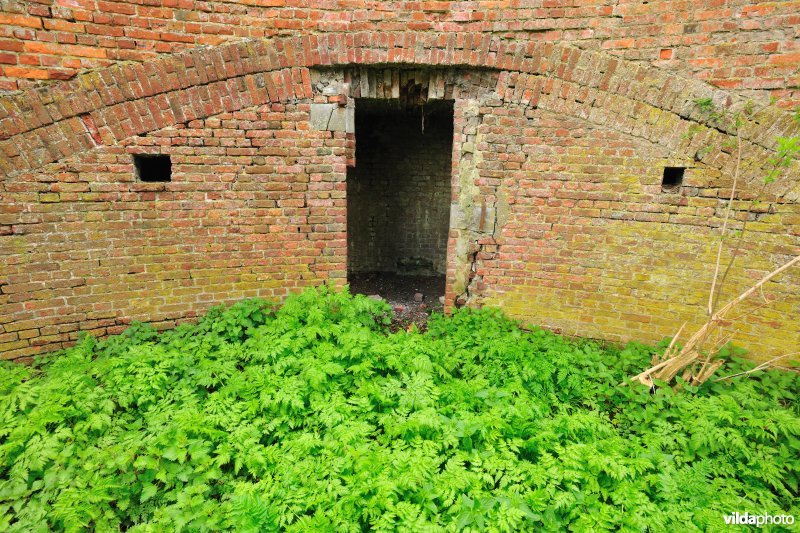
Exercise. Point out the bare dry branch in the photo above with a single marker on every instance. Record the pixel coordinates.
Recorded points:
(728, 210)
(674, 363)
(763, 366)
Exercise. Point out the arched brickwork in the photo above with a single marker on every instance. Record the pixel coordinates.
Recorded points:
(747, 45)
(104, 111)
(45, 124)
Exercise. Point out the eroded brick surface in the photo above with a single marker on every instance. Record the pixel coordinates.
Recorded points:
(586, 242)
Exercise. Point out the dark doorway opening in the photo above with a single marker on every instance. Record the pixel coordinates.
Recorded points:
(398, 202)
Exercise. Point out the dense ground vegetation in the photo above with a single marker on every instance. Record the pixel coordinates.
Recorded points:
(312, 418)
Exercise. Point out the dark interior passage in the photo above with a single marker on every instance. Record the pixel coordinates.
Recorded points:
(398, 194)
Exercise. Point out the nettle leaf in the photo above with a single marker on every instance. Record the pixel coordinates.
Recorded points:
(313, 417)
(148, 491)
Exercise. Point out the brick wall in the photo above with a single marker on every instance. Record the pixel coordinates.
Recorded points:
(398, 194)
(736, 44)
(589, 244)
(557, 211)
(255, 208)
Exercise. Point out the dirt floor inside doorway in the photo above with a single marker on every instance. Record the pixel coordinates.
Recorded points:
(403, 294)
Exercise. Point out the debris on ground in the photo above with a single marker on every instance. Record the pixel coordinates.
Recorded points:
(411, 297)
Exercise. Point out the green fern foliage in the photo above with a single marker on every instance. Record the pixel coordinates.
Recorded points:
(313, 417)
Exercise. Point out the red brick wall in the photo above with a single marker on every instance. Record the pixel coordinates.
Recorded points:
(587, 242)
(735, 44)
(558, 215)
(255, 208)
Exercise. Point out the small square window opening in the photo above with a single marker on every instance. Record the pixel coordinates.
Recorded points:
(673, 179)
(152, 168)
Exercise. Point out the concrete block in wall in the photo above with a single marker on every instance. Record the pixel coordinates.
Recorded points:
(332, 117)
(342, 119)
(321, 116)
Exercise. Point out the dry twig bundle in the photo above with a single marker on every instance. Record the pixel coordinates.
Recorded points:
(697, 367)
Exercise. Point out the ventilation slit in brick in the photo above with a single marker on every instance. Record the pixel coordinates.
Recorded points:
(672, 179)
(152, 168)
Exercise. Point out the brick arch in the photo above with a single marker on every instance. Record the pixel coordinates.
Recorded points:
(104, 113)
(104, 107)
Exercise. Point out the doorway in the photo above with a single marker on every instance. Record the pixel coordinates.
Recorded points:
(398, 201)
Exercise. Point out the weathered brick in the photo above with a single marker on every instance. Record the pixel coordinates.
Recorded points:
(566, 162)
